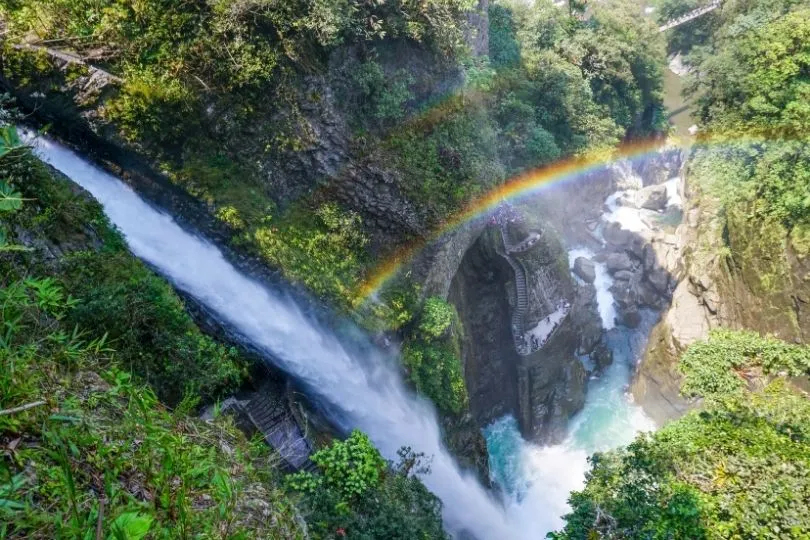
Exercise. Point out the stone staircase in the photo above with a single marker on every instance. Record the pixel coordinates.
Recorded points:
(268, 413)
(523, 345)
(280, 430)
(521, 294)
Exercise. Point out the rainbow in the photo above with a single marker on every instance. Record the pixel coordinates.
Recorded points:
(523, 185)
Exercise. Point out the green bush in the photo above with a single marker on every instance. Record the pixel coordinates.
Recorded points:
(324, 253)
(437, 316)
(432, 356)
(737, 468)
(714, 368)
(153, 109)
(354, 493)
(380, 96)
(504, 49)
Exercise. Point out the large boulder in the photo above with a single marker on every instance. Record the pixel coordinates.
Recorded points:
(629, 317)
(652, 197)
(618, 261)
(659, 278)
(585, 269)
(616, 236)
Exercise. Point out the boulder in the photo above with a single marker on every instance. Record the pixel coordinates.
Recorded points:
(618, 261)
(616, 236)
(585, 269)
(624, 294)
(652, 197)
(602, 357)
(624, 275)
(648, 296)
(630, 317)
(659, 279)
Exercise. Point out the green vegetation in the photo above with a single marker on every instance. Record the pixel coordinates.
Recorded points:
(751, 98)
(321, 248)
(355, 494)
(237, 102)
(139, 313)
(716, 367)
(737, 468)
(89, 450)
(433, 357)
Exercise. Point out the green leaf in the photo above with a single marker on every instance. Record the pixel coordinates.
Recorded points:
(9, 140)
(130, 526)
(10, 200)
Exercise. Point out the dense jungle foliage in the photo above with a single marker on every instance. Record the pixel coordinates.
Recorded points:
(93, 345)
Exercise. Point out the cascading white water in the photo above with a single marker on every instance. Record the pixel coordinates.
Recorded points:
(367, 391)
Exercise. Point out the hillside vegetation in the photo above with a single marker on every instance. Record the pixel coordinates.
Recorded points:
(242, 103)
(102, 375)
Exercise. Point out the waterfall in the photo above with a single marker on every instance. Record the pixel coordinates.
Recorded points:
(364, 388)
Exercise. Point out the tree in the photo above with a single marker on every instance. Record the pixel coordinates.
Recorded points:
(355, 493)
(737, 468)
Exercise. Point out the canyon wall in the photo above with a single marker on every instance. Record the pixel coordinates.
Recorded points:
(732, 272)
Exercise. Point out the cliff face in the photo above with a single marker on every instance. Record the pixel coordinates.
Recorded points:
(543, 383)
(735, 273)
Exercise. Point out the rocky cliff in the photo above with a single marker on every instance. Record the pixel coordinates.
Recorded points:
(541, 385)
(732, 272)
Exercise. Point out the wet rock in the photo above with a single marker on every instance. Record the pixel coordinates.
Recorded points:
(648, 296)
(618, 261)
(585, 269)
(624, 275)
(630, 317)
(602, 356)
(659, 279)
(652, 197)
(624, 294)
(616, 236)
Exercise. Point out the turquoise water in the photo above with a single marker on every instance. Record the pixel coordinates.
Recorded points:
(536, 481)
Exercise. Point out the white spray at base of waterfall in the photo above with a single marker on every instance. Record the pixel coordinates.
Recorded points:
(368, 392)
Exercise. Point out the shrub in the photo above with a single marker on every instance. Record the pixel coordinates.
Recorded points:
(354, 493)
(154, 109)
(437, 316)
(737, 468)
(713, 368)
(324, 253)
(435, 371)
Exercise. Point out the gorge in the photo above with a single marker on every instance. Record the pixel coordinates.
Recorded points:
(359, 386)
(469, 269)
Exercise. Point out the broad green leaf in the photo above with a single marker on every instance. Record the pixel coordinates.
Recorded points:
(10, 200)
(9, 140)
(130, 526)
